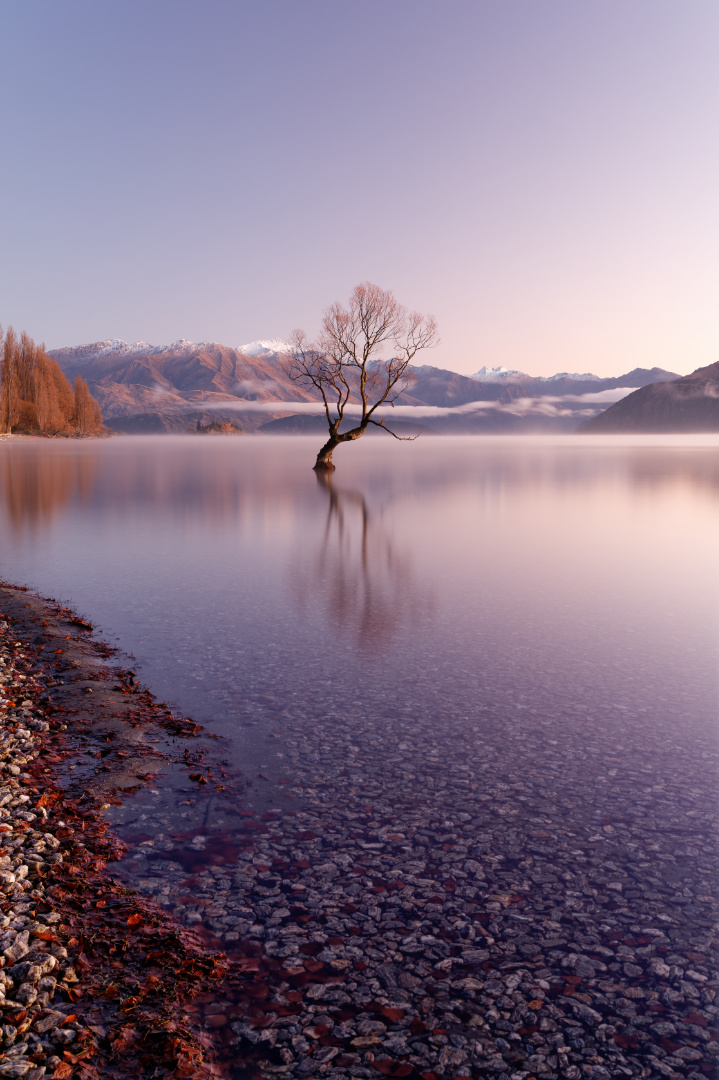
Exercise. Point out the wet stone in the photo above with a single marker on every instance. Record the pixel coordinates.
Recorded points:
(548, 909)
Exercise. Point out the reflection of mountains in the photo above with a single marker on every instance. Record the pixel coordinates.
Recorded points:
(365, 582)
(511, 467)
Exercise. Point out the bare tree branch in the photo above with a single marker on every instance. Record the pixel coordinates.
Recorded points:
(346, 363)
(400, 438)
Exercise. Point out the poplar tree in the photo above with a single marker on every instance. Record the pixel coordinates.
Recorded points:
(35, 396)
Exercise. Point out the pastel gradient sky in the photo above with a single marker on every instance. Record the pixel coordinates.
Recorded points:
(542, 175)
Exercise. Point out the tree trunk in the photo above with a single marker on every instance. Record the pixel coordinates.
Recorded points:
(324, 458)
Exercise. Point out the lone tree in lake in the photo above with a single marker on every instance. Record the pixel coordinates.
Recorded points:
(348, 366)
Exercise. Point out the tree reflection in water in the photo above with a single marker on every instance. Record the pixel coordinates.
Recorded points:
(366, 582)
(34, 486)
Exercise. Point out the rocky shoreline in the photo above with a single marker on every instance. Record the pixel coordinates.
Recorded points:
(412, 909)
(92, 979)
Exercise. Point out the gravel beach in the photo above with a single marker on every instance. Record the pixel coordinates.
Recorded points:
(92, 979)
(521, 902)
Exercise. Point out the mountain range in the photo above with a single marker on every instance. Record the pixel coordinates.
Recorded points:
(687, 404)
(144, 388)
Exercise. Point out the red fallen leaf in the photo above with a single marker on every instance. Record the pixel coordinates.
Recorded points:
(359, 965)
(293, 995)
(669, 1045)
(396, 885)
(385, 1066)
(627, 1042)
(133, 920)
(417, 1027)
(249, 963)
(111, 992)
(62, 1071)
(126, 1038)
(395, 1015)
(198, 777)
(74, 1058)
(388, 1067)
(695, 1018)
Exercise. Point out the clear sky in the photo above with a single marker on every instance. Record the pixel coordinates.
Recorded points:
(542, 175)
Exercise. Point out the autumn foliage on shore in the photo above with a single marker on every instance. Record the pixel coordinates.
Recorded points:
(35, 396)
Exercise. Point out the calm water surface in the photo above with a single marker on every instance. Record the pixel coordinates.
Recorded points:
(434, 578)
(479, 681)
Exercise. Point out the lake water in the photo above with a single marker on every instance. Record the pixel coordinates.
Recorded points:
(504, 653)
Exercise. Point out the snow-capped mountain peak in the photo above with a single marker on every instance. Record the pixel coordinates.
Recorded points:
(183, 345)
(586, 377)
(496, 374)
(502, 374)
(85, 354)
(267, 348)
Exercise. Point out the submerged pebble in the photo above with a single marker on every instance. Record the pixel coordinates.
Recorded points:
(499, 904)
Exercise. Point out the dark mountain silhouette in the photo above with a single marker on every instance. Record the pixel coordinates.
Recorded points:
(143, 388)
(316, 423)
(688, 404)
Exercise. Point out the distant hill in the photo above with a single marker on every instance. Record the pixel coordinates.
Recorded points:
(143, 388)
(164, 388)
(304, 424)
(689, 404)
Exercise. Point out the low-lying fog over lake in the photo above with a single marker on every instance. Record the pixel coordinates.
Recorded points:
(466, 693)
